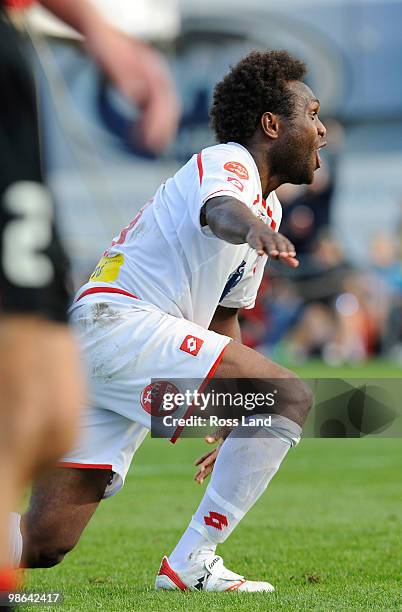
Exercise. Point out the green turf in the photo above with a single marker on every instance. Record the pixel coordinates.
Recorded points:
(327, 534)
(375, 368)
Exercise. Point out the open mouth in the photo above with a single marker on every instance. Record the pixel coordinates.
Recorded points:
(317, 156)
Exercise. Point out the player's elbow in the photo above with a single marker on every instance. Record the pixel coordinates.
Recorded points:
(216, 213)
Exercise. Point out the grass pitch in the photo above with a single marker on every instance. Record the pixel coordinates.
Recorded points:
(327, 533)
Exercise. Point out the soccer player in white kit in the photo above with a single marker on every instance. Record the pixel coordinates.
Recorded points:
(162, 303)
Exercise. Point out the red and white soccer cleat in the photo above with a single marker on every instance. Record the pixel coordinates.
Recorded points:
(207, 575)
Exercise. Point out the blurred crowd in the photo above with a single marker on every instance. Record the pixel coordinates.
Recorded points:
(328, 308)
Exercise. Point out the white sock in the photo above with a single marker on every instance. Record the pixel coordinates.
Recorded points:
(15, 539)
(241, 474)
(192, 541)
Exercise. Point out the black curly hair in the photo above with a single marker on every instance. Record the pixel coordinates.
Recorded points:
(257, 84)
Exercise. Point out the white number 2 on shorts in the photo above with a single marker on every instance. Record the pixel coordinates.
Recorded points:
(27, 234)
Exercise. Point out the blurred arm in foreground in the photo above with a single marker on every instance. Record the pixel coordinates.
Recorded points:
(136, 69)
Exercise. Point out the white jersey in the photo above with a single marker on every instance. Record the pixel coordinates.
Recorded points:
(165, 257)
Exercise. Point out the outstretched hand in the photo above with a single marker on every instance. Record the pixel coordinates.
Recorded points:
(206, 462)
(266, 241)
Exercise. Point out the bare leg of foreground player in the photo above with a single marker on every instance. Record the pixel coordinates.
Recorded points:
(40, 399)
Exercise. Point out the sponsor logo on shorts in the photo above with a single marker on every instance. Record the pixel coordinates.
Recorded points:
(236, 183)
(191, 345)
(152, 397)
(237, 169)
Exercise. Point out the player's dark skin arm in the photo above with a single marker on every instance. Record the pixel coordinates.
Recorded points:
(226, 322)
(231, 220)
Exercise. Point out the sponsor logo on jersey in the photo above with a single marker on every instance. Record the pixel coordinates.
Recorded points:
(108, 269)
(238, 169)
(191, 345)
(152, 395)
(234, 181)
(234, 279)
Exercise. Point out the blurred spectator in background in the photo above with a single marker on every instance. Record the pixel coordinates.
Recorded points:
(386, 269)
(302, 311)
(331, 309)
(306, 210)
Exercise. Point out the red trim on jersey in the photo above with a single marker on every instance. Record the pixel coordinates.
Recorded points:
(123, 234)
(269, 211)
(106, 290)
(178, 431)
(166, 570)
(200, 166)
(85, 466)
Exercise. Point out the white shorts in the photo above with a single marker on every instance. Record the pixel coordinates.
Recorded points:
(126, 343)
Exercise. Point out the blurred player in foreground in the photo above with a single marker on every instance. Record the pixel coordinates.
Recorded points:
(39, 369)
(163, 303)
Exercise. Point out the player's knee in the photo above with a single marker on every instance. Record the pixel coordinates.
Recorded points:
(301, 397)
(46, 554)
(45, 558)
(295, 398)
(46, 543)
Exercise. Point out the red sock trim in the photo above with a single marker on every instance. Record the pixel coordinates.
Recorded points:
(166, 570)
